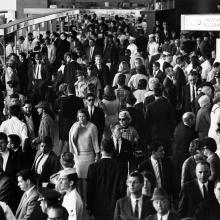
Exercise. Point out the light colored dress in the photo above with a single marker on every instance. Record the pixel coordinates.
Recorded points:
(83, 143)
(215, 119)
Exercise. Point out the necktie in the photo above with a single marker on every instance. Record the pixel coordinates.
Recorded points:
(21, 203)
(193, 94)
(1, 162)
(90, 112)
(204, 191)
(38, 161)
(117, 147)
(160, 171)
(136, 212)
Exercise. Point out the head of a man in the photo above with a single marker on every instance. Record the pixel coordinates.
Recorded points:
(27, 108)
(26, 179)
(135, 183)
(68, 180)
(203, 171)
(57, 212)
(157, 150)
(90, 98)
(160, 201)
(188, 118)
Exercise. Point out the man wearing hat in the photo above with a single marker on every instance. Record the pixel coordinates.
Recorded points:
(48, 197)
(46, 127)
(136, 206)
(162, 206)
(72, 200)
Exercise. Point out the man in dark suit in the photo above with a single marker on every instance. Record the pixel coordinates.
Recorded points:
(8, 159)
(184, 133)
(162, 206)
(210, 209)
(196, 191)
(160, 121)
(159, 166)
(39, 77)
(105, 184)
(103, 72)
(123, 150)
(68, 110)
(189, 93)
(46, 162)
(157, 73)
(169, 87)
(136, 206)
(92, 50)
(96, 115)
(71, 68)
(180, 79)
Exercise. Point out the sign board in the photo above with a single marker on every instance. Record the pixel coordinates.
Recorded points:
(203, 22)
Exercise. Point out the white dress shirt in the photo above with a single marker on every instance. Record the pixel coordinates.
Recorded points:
(37, 74)
(133, 203)
(5, 156)
(201, 187)
(40, 162)
(163, 217)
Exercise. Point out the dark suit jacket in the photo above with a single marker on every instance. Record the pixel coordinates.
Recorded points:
(180, 82)
(167, 166)
(123, 209)
(96, 51)
(70, 72)
(68, 112)
(170, 91)
(51, 166)
(186, 102)
(12, 166)
(6, 191)
(160, 76)
(104, 75)
(105, 184)
(98, 119)
(171, 216)
(208, 210)
(191, 196)
(159, 120)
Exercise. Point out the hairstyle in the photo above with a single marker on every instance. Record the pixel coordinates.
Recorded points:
(63, 212)
(3, 136)
(210, 144)
(195, 145)
(27, 174)
(142, 84)
(67, 159)
(203, 163)
(15, 139)
(216, 65)
(27, 101)
(154, 146)
(90, 95)
(107, 146)
(123, 67)
(73, 177)
(216, 182)
(121, 79)
(137, 175)
(180, 59)
(151, 179)
(47, 140)
(14, 110)
(130, 99)
(83, 111)
(71, 88)
(157, 64)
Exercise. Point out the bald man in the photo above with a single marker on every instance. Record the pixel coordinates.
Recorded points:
(184, 133)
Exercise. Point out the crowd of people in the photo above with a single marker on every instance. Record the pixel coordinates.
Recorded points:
(138, 118)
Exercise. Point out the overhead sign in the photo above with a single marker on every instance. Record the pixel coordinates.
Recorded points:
(206, 22)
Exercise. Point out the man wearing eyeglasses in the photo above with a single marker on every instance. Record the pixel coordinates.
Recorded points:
(136, 206)
(96, 115)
